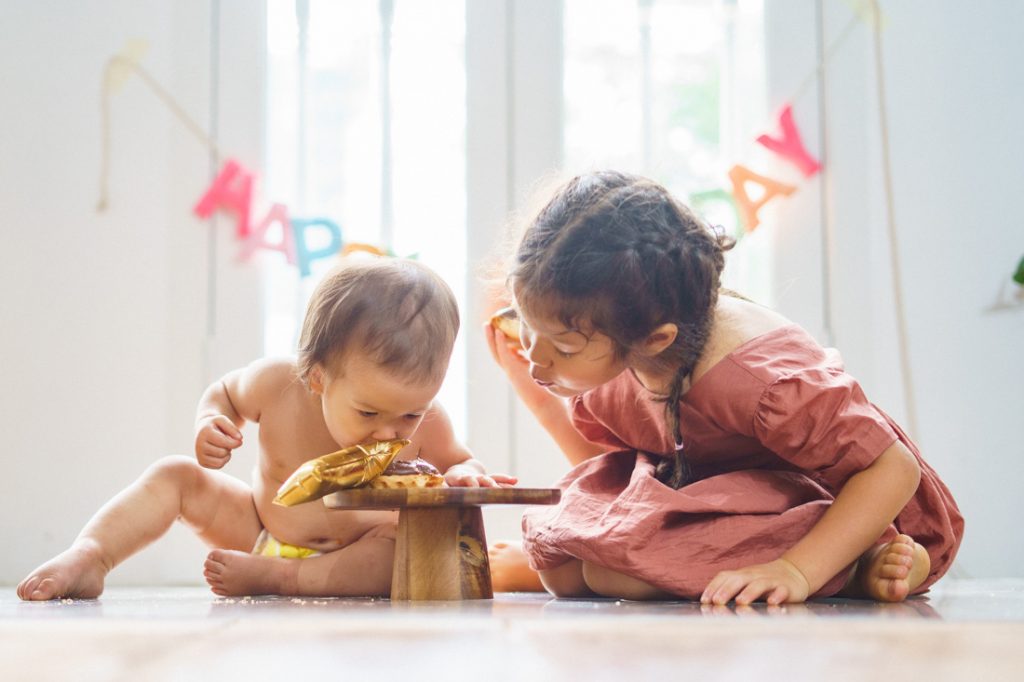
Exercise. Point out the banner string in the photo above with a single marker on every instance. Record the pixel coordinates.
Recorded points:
(823, 61)
(120, 62)
(890, 211)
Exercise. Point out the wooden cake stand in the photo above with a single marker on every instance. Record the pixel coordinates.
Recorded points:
(441, 549)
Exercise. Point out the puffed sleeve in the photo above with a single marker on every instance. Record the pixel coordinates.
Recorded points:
(819, 420)
(591, 428)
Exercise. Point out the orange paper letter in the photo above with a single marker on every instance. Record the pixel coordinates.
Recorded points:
(741, 175)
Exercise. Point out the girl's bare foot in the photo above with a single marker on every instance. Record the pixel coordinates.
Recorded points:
(232, 573)
(892, 571)
(76, 572)
(510, 571)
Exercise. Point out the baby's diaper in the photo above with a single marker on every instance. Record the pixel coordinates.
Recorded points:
(268, 545)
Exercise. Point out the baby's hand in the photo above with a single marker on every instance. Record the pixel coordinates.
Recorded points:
(460, 476)
(216, 437)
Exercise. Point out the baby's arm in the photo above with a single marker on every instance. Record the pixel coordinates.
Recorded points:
(866, 504)
(439, 447)
(227, 404)
(551, 411)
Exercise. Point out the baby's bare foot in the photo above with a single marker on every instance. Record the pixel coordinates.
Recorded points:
(510, 571)
(76, 572)
(892, 571)
(232, 573)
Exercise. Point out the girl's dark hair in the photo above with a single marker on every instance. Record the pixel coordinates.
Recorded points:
(618, 254)
(398, 312)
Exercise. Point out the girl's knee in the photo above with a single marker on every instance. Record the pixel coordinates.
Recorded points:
(565, 580)
(609, 583)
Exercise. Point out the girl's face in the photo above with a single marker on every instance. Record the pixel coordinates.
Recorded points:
(567, 362)
(364, 403)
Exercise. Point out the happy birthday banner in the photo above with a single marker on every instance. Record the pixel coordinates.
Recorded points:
(232, 189)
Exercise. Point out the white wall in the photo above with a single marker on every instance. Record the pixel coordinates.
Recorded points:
(959, 141)
(955, 96)
(104, 341)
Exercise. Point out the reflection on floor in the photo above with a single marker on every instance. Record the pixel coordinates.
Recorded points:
(962, 630)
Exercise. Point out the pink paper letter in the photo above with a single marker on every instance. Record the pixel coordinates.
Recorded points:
(231, 189)
(790, 146)
(278, 213)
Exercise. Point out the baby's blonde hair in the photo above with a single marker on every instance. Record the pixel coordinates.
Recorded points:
(399, 313)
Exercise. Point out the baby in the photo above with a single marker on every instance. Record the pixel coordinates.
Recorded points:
(375, 346)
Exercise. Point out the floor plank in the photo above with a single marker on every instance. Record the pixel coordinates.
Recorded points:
(964, 630)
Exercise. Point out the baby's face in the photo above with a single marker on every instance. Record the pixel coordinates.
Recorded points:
(364, 403)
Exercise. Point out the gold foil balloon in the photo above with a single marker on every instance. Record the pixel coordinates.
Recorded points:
(348, 468)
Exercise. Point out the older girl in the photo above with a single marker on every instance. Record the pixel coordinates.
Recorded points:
(741, 462)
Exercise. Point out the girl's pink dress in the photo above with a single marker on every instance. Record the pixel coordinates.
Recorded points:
(771, 433)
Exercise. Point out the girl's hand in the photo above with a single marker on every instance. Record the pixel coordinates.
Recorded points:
(216, 437)
(778, 581)
(508, 354)
(460, 476)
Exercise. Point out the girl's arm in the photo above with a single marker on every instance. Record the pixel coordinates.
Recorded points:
(551, 411)
(866, 504)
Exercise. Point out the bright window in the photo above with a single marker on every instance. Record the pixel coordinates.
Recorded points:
(366, 127)
(670, 89)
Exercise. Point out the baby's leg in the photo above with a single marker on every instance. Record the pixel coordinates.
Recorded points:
(510, 571)
(361, 569)
(566, 580)
(890, 572)
(217, 506)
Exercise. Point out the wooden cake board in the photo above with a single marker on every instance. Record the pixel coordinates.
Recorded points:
(441, 548)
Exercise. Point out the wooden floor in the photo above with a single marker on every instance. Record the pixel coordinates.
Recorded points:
(965, 630)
